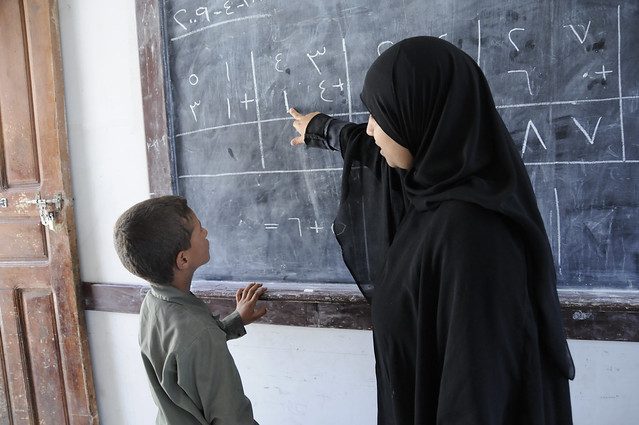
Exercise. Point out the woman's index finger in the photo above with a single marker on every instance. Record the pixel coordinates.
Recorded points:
(294, 113)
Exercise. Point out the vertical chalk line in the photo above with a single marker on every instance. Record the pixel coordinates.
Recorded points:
(558, 231)
(257, 111)
(623, 139)
(479, 43)
(348, 81)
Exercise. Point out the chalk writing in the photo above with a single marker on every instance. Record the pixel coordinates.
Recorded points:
(232, 133)
(192, 106)
(529, 126)
(589, 137)
(527, 78)
(299, 224)
(585, 32)
(316, 227)
(278, 60)
(385, 44)
(603, 71)
(286, 106)
(246, 101)
(321, 86)
(314, 55)
(511, 39)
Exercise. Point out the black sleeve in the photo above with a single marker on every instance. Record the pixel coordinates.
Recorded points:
(350, 139)
(318, 135)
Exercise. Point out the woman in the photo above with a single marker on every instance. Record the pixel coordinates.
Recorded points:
(445, 239)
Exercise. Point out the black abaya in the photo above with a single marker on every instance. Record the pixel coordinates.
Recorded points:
(453, 253)
(455, 335)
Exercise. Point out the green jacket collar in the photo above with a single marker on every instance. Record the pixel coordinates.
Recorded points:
(172, 294)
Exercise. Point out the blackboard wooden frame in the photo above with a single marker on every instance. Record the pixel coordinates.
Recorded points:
(587, 315)
(593, 315)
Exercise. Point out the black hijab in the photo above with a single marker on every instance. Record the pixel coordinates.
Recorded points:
(434, 100)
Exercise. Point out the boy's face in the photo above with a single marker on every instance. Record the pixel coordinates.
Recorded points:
(199, 251)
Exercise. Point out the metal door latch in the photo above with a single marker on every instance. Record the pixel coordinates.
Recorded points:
(3, 202)
(48, 208)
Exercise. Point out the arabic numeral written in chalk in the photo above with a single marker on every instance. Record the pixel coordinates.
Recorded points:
(313, 56)
(321, 86)
(175, 18)
(193, 106)
(339, 85)
(203, 11)
(383, 46)
(227, 7)
(278, 61)
(182, 16)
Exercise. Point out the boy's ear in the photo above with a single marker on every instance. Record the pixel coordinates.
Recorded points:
(182, 260)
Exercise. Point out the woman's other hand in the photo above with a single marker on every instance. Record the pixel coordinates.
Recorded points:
(300, 122)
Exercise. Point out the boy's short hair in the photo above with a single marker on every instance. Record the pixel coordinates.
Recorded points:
(149, 236)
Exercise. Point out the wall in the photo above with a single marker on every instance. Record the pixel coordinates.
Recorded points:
(293, 375)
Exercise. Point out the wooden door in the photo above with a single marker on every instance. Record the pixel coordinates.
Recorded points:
(45, 368)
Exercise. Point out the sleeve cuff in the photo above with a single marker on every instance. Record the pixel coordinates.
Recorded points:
(233, 325)
(319, 132)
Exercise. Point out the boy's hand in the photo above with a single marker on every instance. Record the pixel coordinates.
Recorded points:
(246, 299)
(300, 123)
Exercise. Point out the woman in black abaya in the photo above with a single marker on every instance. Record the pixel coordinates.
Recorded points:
(444, 238)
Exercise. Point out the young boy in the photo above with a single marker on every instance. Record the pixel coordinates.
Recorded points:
(193, 377)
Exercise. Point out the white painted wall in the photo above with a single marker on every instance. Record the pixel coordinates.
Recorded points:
(293, 375)
(325, 376)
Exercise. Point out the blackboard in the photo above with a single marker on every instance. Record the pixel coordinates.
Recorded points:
(563, 76)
